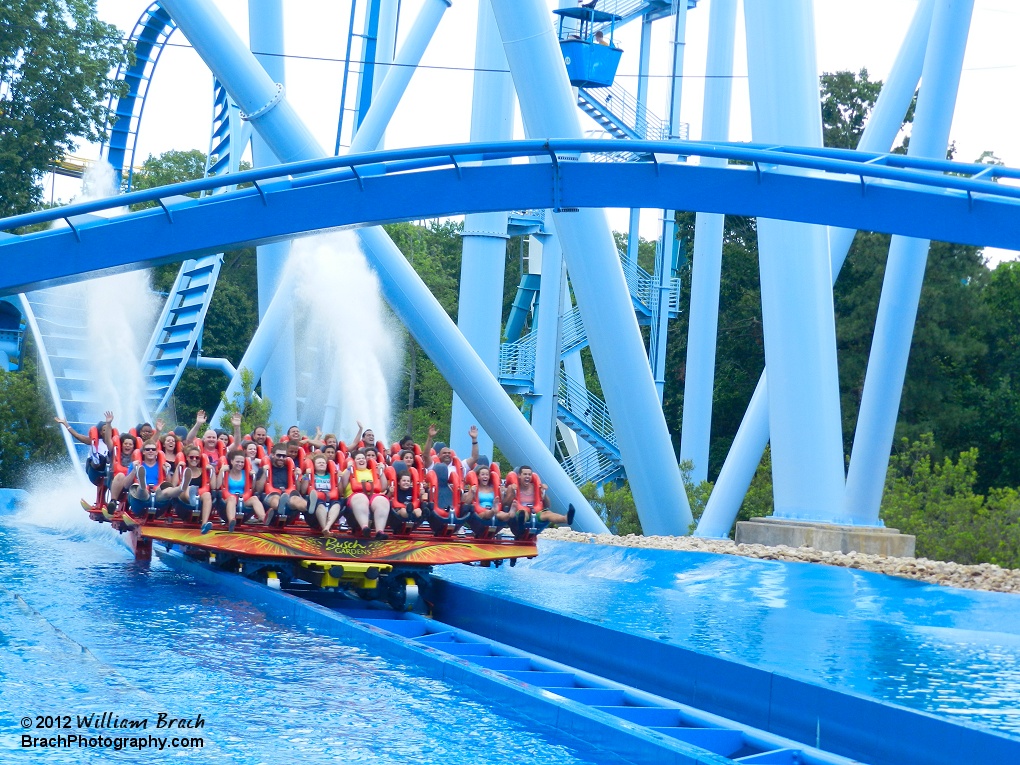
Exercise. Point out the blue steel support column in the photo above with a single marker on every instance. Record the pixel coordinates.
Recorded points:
(679, 45)
(386, 41)
(265, 32)
(392, 88)
(644, 64)
(368, 73)
(696, 432)
(547, 341)
(657, 331)
(479, 314)
(882, 128)
(796, 276)
(385, 47)
(402, 288)
(904, 274)
(597, 278)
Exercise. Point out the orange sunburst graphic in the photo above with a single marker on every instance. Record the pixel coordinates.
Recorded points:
(423, 552)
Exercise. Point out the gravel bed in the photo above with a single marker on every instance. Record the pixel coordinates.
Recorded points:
(984, 576)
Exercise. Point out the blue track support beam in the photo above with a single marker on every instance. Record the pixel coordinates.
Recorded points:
(699, 384)
(483, 262)
(265, 33)
(547, 350)
(658, 329)
(385, 48)
(796, 278)
(402, 288)
(386, 44)
(904, 274)
(547, 106)
(644, 67)
(879, 134)
(677, 79)
(368, 73)
(901, 196)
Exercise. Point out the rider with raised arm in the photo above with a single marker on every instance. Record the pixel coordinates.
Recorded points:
(100, 447)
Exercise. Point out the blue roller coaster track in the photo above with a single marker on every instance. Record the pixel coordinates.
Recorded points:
(888, 193)
(948, 201)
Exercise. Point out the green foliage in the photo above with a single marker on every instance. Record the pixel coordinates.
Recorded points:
(55, 61)
(740, 346)
(254, 412)
(847, 101)
(935, 501)
(615, 506)
(757, 502)
(28, 437)
(997, 380)
(168, 168)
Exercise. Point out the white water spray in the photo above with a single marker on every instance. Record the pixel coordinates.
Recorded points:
(349, 346)
(116, 315)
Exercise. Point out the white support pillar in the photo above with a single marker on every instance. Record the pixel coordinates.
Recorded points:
(696, 432)
(265, 33)
(904, 273)
(479, 313)
(796, 277)
(879, 135)
(549, 111)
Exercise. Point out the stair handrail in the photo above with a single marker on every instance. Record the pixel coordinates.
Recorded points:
(517, 359)
(625, 109)
(590, 466)
(572, 333)
(587, 408)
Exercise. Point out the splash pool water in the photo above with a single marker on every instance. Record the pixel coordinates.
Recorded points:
(951, 652)
(85, 629)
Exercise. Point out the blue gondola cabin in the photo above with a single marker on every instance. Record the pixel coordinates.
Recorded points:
(591, 59)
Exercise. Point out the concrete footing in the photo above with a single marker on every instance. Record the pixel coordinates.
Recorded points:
(829, 537)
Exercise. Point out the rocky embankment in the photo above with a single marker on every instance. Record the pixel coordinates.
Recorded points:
(981, 577)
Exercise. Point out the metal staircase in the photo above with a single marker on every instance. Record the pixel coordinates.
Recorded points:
(588, 416)
(176, 336)
(620, 114)
(178, 329)
(591, 420)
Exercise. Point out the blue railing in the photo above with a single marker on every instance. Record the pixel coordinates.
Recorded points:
(865, 166)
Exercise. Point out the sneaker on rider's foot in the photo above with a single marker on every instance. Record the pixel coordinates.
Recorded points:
(207, 527)
(570, 515)
(231, 525)
(381, 535)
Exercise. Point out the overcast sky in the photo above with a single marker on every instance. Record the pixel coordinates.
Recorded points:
(850, 35)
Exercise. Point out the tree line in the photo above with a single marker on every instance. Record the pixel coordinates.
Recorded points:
(953, 477)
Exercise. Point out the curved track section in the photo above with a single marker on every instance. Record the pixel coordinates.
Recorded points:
(928, 199)
(149, 36)
(940, 200)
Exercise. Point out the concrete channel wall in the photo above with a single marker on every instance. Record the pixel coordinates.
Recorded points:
(844, 723)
